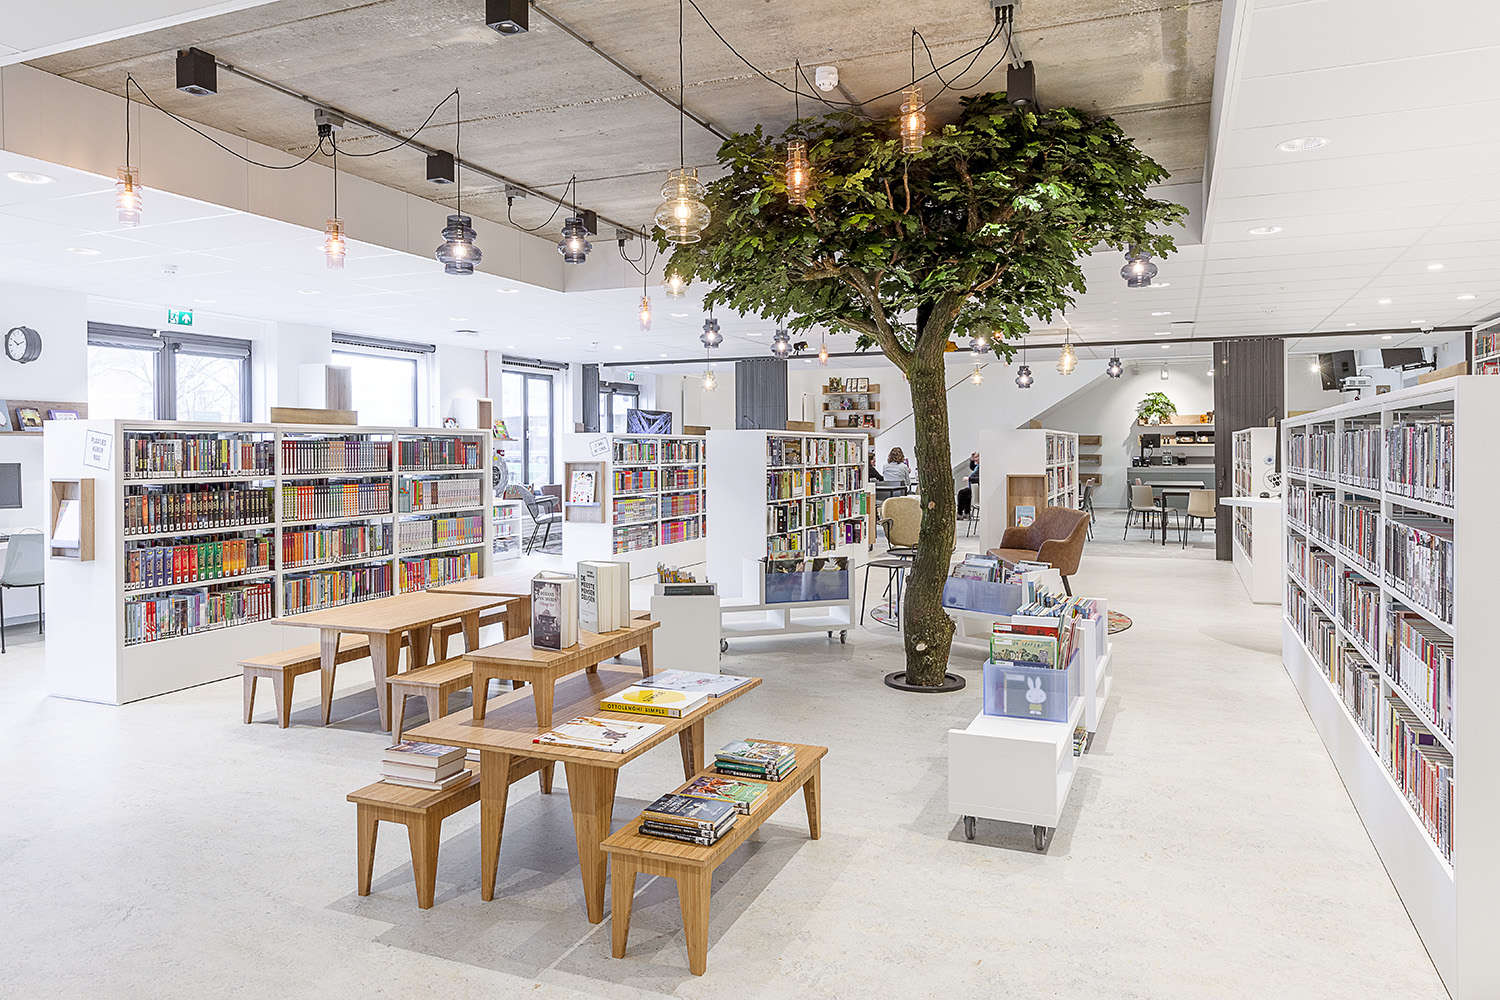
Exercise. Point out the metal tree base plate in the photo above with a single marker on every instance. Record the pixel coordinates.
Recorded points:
(951, 682)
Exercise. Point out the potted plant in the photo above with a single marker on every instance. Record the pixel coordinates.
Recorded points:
(1156, 408)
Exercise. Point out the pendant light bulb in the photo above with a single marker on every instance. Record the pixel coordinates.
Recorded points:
(823, 354)
(1115, 369)
(128, 196)
(1138, 270)
(978, 376)
(1067, 359)
(675, 285)
(1023, 377)
(574, 245)
(913, 119)
(645, 313)
(798, 172)
(334, 246)
(711, 337)
(781, 344)
(978, 345)
(683, 216)
(458, 252)
(709, 383)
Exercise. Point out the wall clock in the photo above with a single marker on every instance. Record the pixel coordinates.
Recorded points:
(23, 344)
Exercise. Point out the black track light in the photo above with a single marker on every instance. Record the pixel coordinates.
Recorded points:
(197, 74)
(440, 169)
(590, 220)
(1020, 85)
(509, 17)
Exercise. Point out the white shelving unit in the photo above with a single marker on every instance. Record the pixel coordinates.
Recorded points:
(1257, 546)
(1338, 625)
(1486, 349)
(1026, 452)
(88, 604)
(505, 529)
(652, 500)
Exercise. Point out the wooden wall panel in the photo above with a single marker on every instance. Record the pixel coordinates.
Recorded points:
(1249, 391)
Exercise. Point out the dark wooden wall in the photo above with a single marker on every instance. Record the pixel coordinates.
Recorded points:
(1249, 391)
(591, 399)
(760, 394)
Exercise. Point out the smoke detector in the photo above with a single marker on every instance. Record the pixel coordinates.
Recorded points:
(826, 77)
(169, 269)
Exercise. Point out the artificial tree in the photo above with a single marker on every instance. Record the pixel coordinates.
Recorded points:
(1156, 405)
(979, 233)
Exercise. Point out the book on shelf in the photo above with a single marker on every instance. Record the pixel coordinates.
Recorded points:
(713, 685)
(608, 735)
(743, 795)
(554, 611)
(690, 812)
(756, 759)
(603, 595)
(440, 785)
(669, 832)
(421, 772)
(653, 701)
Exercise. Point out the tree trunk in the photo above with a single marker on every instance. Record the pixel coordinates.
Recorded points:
(928, 629)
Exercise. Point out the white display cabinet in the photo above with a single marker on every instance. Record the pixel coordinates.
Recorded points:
(1027, 452)
(1257, 544)
(339, 514)
(1361, 480)
(752, 614)
(650, 501)
(505, 527)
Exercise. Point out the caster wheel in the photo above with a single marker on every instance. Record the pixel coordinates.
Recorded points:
(843, 637)
(830, 635)
(1040, 833)
(969, 824)
(723, 645)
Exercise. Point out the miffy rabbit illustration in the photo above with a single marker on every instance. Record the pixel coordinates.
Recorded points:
(1035, 696)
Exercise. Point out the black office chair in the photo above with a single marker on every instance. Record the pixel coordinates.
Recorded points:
(543, 511)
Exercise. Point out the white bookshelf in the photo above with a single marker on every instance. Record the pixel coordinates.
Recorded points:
(824, 493)
(1485, 342)
(505, 529)
(415, 529)
(1025, 452)
(1333, 575)
(1257, 546)
(652, 500)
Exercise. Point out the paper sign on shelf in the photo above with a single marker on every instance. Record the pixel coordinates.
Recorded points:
(97, 447)
(598, 447)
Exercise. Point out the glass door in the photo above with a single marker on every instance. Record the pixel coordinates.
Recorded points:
(526, 407)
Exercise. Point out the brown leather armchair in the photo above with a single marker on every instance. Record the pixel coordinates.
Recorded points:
(1056, 537)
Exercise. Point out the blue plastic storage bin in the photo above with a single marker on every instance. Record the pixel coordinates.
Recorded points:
(1020, 691)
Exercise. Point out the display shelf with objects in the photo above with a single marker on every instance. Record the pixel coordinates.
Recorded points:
(1486, 349)
(206, 534)
(505, 528)
(851, 404)
(1257, 545)
(1383, 635)
(1008, 459)
(649, 493)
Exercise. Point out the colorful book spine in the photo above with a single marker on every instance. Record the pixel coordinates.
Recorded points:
(185, 612)
(154, 509)
(335, 587)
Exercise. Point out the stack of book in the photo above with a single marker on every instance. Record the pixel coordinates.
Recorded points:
(688, 818)
(672, 693)
(744, 795)
(423, 765)
(756, 759)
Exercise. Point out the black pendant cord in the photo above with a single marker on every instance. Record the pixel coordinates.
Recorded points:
(458, 138)
(681, 93)
(335, 144)
(128, 81)
(572, 186)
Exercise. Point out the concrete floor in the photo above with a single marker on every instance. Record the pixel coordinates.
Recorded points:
(164, 849)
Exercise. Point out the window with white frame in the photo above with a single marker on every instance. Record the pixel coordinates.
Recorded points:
(138, 373)
(386, 377)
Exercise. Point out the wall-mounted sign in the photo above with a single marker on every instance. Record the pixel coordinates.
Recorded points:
(179, 317)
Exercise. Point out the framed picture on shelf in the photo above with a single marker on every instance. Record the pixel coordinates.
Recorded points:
(859, 384)
(62, 414)
(835, 384)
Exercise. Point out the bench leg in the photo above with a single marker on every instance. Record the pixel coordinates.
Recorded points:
(692, 895)
(494, 790)
(425, 834)
(439, 645)
(545, 774)
(398, 716)
(646, 655)
(471, 632)
(621, 895)
(249, 695)
(368, 825)
(281, 683)
(814, 802)
(691, 742)
(328, 649)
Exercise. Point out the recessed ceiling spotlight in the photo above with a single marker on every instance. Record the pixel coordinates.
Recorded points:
(661, 355)
(1434, 267)
(308, 291)
(458, 319)
(1161, 284)
(1162, 333)
(1166, 347)
(680, 315)
(1350, 324)
(1265, 230)
(619, 347)
(510, 347)
(756, 333)
(1386, 337)
(1164, 313)
(1314, 367)
(1466, 298)
(84, 251)
(1419, 322)
(1382, 302)
(507, 291)
(29, 177)
(1302, 143)
(205, 302)
(564, 338)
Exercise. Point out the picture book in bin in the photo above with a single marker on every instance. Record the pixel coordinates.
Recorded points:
(554, 611)
(1035, 649)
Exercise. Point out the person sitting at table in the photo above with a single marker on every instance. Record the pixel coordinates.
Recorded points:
(966, 495)
(875, 476)
(896, 471)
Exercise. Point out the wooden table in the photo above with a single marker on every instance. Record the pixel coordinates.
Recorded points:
(504, 740)
(384, 621)
(517, 660)
(517, 606)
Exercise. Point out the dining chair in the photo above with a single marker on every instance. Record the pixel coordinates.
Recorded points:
(1202, 507)
(23, 568)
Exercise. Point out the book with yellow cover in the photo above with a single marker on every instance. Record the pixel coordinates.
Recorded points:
(653, 701)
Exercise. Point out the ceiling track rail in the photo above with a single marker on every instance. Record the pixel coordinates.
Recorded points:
(421, 147)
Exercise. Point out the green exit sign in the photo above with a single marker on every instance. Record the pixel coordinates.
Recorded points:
(631, 376)
(179, 317)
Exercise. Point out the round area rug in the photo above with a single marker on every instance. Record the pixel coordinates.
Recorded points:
(1118, 622)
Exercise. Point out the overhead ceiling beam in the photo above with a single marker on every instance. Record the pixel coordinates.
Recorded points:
(420, 147)
(677, 105)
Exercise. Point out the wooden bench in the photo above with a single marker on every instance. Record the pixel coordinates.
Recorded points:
(514, 616)
(434, 683)
(422, 813)
(692, 865)
(285, 666)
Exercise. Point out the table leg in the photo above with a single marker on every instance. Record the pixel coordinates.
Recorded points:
(471, 631)
(494, 789)
(691, 742)
(541, 697)
(591, 792)
(480, 688)
(693, 896)
(421, 640)
(646, 650)
(328, 649)
(814, 802)
(385, 652)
